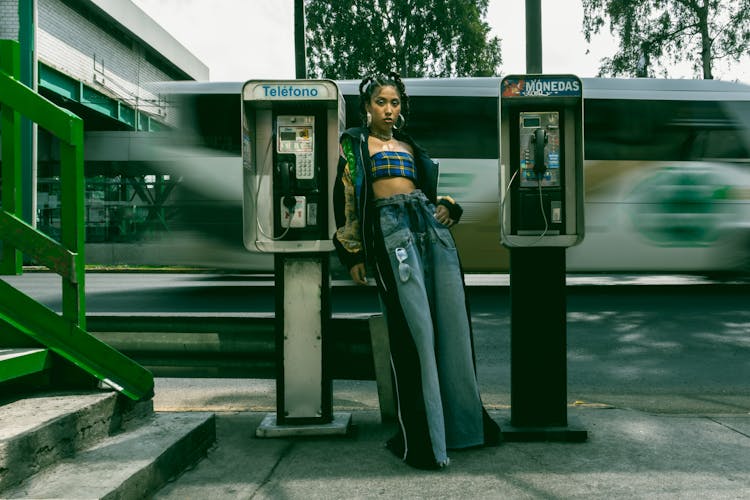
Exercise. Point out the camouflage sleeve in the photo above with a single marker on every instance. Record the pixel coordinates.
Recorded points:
(349, 235)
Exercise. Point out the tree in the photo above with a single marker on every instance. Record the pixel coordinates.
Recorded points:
(417, 38)
(654, 33)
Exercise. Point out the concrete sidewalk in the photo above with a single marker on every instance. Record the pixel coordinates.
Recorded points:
(629, 454)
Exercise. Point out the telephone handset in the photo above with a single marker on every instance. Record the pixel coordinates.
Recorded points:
(540, 141)
(286, 174)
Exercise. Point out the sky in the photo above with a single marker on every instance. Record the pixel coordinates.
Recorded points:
(241, 40)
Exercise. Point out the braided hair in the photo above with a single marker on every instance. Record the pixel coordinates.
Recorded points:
(371, 83)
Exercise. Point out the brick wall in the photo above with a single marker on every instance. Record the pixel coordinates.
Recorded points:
(9, 19)
(96, 55)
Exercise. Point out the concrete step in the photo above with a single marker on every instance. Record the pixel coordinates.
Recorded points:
(95, 445)
(40, 429)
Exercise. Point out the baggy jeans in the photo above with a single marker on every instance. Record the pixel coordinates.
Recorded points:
(429, 284)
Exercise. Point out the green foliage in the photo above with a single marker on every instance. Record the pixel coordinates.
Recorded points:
(657, 33)
(417, 38)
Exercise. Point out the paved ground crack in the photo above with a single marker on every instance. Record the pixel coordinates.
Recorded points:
(723, 424)
(287, 449)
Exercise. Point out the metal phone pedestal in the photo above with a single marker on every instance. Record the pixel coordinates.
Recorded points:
(303, 387)
(541, 166)
(290, 150)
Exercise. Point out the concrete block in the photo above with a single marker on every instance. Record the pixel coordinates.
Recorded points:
(132, 464)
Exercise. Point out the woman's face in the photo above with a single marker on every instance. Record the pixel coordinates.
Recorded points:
(384, 106)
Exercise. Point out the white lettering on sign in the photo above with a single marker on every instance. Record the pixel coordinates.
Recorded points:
(289, 91)
(551, 87)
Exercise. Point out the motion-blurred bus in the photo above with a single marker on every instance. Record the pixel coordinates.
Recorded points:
(667, 176)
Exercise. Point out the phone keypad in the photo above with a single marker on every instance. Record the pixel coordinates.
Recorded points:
(305, 168)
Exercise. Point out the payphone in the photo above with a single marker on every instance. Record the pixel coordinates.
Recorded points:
(541, 160)
(541, 213)
(290, 150)
(290, 132)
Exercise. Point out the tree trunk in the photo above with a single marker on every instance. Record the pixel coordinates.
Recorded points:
(705, 41)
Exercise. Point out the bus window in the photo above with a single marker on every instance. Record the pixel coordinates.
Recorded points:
(447, 126)
(661, 130)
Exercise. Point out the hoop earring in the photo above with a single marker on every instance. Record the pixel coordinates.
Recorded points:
(402, 121)
(369, 119)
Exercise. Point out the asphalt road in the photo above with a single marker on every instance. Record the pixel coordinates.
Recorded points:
(678, 345)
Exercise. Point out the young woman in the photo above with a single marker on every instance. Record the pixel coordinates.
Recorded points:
(392, 225)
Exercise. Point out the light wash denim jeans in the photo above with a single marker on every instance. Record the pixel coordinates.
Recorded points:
(430, 288)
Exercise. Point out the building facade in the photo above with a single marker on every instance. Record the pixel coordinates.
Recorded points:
(99, 58)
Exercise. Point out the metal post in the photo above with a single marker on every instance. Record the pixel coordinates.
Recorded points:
(538, 337)
(11, 259)
(300, 68)
(27, 38)
(533, 36)
(304, 389)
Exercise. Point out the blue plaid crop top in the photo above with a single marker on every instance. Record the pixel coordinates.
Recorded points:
(393, 164)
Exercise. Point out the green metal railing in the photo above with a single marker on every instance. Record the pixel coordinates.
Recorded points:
(64, 335)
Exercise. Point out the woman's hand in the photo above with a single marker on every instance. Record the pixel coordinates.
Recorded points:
(442, 215)
(358, 273)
